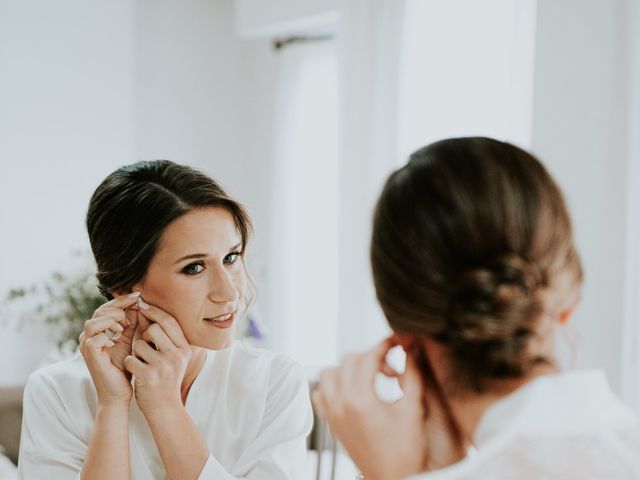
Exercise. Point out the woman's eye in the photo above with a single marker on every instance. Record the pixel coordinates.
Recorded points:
(193, 268)
(231, 258)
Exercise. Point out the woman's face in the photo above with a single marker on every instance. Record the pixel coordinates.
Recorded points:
(197, 275)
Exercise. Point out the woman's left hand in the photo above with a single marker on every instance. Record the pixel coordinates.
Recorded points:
(386, 441)
(160, 355)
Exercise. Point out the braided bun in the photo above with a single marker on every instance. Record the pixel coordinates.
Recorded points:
(493, 314)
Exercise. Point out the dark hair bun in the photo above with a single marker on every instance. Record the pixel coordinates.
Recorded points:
(494, 312)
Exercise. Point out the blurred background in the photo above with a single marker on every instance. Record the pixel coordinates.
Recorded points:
(301, 108)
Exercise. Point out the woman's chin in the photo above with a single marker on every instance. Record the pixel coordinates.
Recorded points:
(219, 343)
(212, 335)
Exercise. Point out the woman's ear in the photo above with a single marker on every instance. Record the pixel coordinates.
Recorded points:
(565, 316)
(411, 344)
(137, 287)
(406, 341)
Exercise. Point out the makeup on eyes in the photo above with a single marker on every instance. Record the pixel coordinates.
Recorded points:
(234, 254)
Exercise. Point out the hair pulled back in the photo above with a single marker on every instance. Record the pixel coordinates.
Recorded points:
(131, 208)
(472, 246)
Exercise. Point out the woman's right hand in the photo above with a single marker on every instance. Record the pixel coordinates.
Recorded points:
(104, 356)
(385, 440)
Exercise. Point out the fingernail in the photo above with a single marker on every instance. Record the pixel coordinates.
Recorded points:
(119, 327)
(142, 304)
(134, 294)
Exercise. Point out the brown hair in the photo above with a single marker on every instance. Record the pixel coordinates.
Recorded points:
(131, 208)
(472, 246)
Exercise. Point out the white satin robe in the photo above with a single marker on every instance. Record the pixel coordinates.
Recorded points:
(251, 407)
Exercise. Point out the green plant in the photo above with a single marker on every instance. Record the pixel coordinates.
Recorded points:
(64, 301)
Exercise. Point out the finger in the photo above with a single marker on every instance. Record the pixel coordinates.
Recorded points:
(327, 389)
(394, 361)
(376, 358)
(101, 324)
(356, 379)
(379, 352)
(145, 352)
(123, 301)
(167, 322)
(318, 404)
(155, 334)
(348, 374)
(97, 342)
(388, 371)
(135, 366)
(131, 314)
(359, 370)
(411, 381)
(143, 324)
(115, 313)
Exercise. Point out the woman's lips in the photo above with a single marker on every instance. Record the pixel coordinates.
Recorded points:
(222, 321)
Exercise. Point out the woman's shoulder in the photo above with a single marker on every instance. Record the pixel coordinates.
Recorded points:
(63, 376)
(281, 384)
(255, 368)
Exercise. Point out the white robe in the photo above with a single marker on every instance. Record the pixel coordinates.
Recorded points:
(251, 407)
(558, 427)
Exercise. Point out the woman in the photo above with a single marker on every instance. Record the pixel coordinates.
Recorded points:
(161, 389)
(476, 271)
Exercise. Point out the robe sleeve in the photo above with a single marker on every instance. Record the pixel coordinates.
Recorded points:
(279, 450)
(51, 448)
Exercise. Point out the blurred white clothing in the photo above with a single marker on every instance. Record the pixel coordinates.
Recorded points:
(561, 426)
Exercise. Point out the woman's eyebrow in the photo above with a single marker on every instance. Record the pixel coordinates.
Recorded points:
(204, 255)
(193, 255)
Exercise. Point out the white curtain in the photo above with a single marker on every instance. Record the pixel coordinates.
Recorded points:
(368, 36)
(302, 306)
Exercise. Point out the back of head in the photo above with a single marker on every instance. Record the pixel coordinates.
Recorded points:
(131, 208)
(472, 246)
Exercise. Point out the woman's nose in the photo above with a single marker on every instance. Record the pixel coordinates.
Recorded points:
(222, 288)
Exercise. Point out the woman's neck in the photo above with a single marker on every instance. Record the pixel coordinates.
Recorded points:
(196, 362)
(468, 410)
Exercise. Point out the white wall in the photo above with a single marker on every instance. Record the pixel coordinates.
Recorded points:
(580, 129)
(466, 70)
(631, 328)
(259, 18)
(185, 73)
(66, 95)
